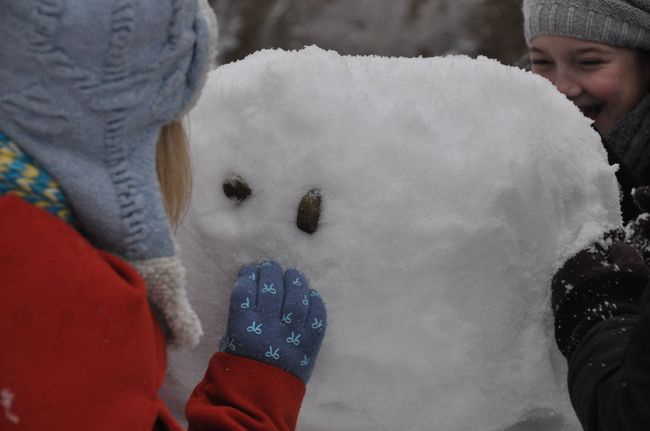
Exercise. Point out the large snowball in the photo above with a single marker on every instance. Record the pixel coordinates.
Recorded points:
(452, 191)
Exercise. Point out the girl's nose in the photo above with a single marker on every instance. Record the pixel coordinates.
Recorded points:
(567, 84)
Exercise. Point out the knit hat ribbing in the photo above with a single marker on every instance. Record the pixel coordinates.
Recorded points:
(612, 22)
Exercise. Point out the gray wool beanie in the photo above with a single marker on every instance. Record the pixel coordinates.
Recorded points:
(85, 86)
(612, 22)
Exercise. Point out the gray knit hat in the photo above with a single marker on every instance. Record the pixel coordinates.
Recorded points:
(612, 22)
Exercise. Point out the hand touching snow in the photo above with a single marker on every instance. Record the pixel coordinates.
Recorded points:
(276, 319)
(598, 283)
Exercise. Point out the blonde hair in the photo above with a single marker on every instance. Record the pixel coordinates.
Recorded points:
(174, 170)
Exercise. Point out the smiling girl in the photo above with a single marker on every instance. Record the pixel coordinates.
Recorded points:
(595, 53)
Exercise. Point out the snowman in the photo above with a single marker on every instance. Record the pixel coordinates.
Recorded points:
(429, 200)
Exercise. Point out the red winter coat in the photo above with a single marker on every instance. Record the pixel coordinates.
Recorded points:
(80, 349)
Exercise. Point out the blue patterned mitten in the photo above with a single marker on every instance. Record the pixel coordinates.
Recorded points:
(276, 319)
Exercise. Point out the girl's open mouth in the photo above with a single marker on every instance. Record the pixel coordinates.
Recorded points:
(591, 111)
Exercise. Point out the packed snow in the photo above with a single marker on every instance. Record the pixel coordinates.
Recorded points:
(452, 189)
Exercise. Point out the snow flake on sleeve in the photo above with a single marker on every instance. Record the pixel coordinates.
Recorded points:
(6, 400)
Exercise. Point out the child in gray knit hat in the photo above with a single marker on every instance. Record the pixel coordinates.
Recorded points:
(596, 53)
(93, 167)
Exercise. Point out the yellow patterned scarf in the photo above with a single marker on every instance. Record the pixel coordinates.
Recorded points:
(20, 175)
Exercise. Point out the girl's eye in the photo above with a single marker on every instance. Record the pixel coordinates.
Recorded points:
(540, 62)
(590, 62)
(236, 188)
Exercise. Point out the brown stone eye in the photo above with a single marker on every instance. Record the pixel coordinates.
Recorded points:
(309, 211)
(236, 188)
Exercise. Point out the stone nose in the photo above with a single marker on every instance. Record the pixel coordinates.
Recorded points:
(309, 211)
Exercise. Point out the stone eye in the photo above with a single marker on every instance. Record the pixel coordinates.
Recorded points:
(309, 211)
(236, 188)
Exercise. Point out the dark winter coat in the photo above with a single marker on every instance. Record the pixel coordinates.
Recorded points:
(602, 326)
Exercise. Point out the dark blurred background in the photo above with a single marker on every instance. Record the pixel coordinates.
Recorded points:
(406, 28)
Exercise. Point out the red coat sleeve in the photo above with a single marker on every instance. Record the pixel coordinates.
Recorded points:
(79, 347)
(240, 394)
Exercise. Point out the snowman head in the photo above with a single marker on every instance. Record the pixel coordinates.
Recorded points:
(429, 201)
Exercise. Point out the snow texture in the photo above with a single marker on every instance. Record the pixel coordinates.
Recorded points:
(452, 190)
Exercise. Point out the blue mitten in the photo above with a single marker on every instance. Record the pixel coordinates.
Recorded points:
(276, 319)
